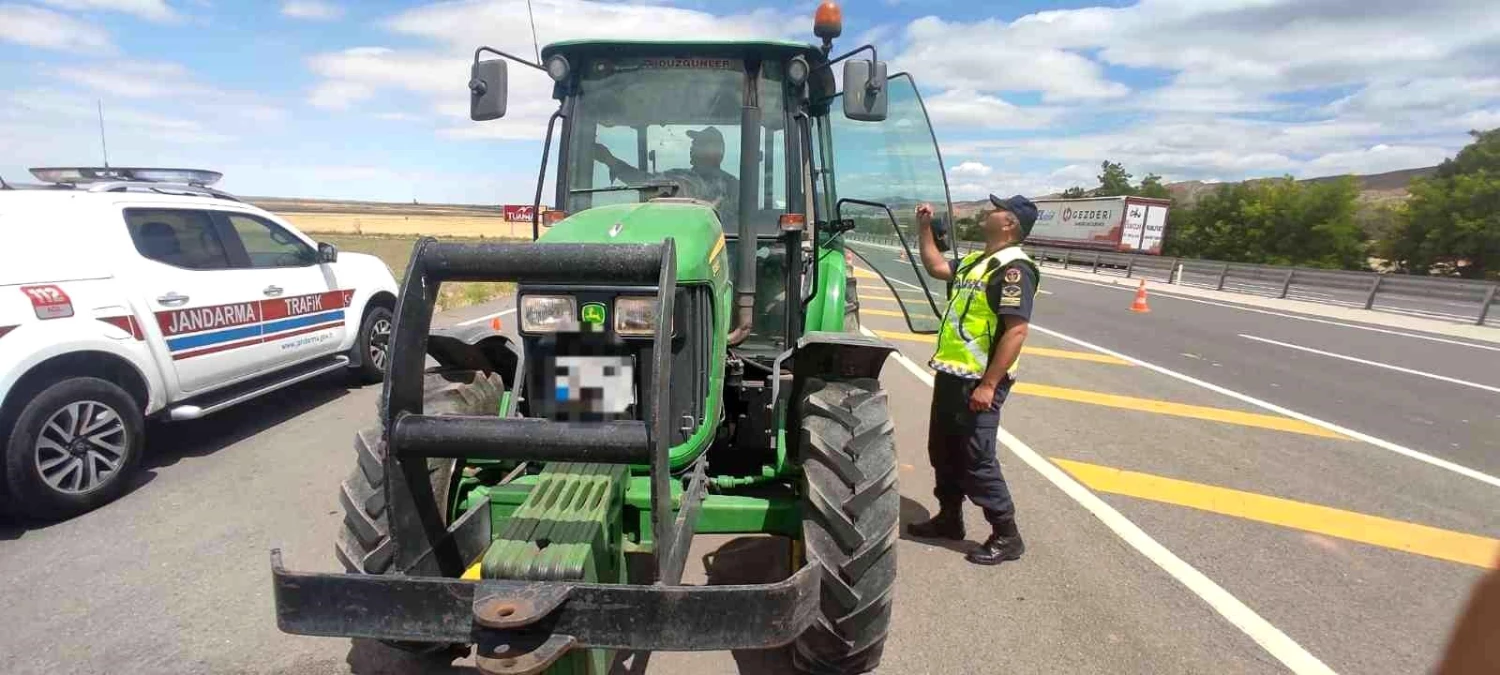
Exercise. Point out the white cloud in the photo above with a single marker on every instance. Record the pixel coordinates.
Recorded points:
(73, 115)
(130, 79)
(439, 71)
(978, 56)
(1376, 159)
(339, 94)
(44, 28)
(312, 10)
(1355, 85)
(971, 168)
(960, 108)
(160, 80)
(151, 10)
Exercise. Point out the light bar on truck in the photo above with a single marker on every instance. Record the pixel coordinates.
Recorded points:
(76, 175)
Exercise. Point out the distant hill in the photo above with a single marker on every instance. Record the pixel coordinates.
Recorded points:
(1373, 189)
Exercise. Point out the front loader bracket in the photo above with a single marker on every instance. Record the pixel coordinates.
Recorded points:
(535, 617)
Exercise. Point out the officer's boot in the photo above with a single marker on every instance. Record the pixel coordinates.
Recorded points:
(1004, 544)
(947, 524)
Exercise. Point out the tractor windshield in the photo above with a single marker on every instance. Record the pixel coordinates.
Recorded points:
(674, 122)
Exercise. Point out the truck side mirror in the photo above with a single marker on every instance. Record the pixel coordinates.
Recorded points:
(487, 90)
(865, 95)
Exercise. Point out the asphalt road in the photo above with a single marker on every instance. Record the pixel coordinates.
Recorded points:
(1171, 527)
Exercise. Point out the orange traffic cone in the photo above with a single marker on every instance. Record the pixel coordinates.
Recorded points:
(1140, 305)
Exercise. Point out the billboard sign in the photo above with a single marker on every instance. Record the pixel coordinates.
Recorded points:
(1156, 226)
(1089, 222)
(518, 213)
(1135, 226)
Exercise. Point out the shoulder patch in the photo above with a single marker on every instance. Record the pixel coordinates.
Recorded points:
(1013, 275)
(1011, 291)
(1010, 301)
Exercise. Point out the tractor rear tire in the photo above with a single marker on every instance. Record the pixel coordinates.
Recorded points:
(849, 523)
(364, 544)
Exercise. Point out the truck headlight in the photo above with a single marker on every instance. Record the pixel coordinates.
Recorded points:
(549, 314)
(635, 315)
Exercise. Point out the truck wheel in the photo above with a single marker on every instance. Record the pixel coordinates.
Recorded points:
(73, 448)
(364, 544)
(849, 523)
(374, 344)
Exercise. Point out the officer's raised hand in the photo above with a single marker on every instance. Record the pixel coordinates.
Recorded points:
(932, 257)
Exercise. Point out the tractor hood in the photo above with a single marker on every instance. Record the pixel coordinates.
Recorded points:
(693, 226)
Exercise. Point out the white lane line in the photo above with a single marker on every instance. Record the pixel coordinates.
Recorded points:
(487, 317)
(1377, 364)
(1269, 637)
(1266, 405)
(1174, 296)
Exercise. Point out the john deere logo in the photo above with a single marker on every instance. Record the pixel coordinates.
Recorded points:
(592, 314)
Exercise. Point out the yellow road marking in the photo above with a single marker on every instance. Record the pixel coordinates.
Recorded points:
(876, 298)
(1025, 351)
(865, 274)
(899, 315)
(1247, 419)
(1274, 422)
(1399, 535)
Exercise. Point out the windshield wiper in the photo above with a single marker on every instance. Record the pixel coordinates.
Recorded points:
(667, 188)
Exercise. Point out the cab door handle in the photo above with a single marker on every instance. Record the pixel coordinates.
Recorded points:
(272, 291)
(172, 299)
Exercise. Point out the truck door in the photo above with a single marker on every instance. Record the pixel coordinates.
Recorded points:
(302, 306)
(205, 313)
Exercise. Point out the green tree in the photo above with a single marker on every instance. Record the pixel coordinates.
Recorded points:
(1074, 192)
(1451, 223)
(1151, 187)
(1279, 222)
(967, 229)
(1113, 180)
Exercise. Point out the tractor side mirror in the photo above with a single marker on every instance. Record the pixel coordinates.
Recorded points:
(865, 95)
(487, 90)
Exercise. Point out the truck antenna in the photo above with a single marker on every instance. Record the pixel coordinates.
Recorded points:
(102, 143)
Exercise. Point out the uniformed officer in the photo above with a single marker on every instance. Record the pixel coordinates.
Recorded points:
(989, 310)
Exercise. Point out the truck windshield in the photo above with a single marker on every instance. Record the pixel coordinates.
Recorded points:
(676, 122)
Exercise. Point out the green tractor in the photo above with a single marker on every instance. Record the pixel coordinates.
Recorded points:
(686, 364)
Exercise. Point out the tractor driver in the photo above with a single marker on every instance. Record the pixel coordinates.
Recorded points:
(704, 181)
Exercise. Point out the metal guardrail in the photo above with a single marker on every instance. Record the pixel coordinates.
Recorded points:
(1427, 297)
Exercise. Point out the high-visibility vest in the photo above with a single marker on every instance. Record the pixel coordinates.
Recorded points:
(969, 325)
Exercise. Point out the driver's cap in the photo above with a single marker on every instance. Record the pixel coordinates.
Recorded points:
(708, 136)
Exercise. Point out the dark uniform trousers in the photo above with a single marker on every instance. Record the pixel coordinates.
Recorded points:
(961, 447)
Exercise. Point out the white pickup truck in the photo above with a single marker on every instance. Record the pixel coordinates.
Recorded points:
(128, 294)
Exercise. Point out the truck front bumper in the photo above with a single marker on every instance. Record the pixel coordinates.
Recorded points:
(524, 626)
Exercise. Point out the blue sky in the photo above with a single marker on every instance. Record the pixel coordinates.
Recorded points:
(367, 100)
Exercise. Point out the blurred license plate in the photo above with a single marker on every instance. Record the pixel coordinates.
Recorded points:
(600, 385)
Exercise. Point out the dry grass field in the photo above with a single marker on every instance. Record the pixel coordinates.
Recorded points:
(408, 225)
(388, 231)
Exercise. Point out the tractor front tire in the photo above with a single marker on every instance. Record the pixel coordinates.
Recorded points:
(849, 523)
(364, 544)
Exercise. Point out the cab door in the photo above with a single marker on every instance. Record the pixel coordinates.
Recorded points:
(303, 308)
(206, 312)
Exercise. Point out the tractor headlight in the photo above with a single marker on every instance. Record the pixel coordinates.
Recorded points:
(549, 314)
(635, 315)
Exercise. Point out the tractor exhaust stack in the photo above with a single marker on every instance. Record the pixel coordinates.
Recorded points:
(744, 287)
